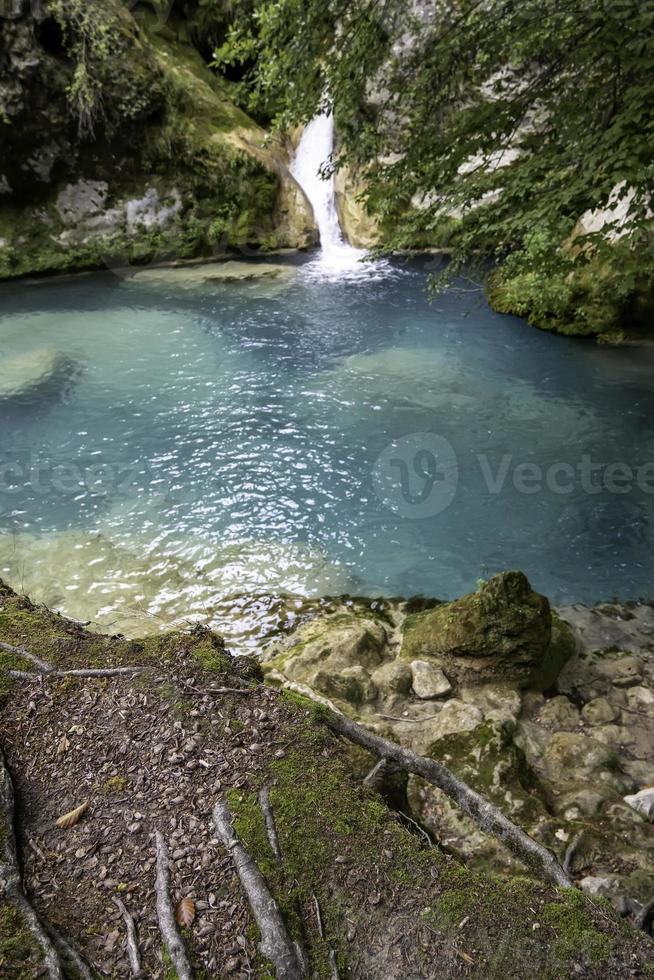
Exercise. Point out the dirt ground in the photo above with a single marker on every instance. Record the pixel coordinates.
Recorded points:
(364, 895)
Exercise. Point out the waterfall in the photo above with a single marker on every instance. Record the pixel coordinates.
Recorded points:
(315, 149)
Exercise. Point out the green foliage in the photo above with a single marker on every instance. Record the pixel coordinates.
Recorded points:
(89, 34)
(516, 118)
(571, 291)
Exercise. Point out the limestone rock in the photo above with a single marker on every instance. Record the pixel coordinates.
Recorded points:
(353, 684)
(224, 186)
(624, 672)
(579, 802)
(487, 758)
(456, 716)
(643, 803)
(576, 760)
(560, 714)
(334, 655)
(569, 754)
(599, 711)
(641, 699)
(498, 702)
(394, 677)
(501, 632)
(429, 681)
(599, 887)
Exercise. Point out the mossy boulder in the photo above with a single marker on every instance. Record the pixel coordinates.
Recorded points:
(501, 632)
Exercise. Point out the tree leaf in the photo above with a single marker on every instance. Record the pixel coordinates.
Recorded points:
(185, 913)
(69, 820)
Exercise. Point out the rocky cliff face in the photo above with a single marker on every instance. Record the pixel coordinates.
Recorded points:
(119, 145)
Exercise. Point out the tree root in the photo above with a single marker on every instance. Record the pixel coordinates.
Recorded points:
(167, 925)
(645, 918)
(82, 672)
(43, 666)
(229, 690)
(269, 822)
(69, 956)
(10, 875)
(571, 852)
(133, 954)
(487, 816)
(375, 778)
(276, 944)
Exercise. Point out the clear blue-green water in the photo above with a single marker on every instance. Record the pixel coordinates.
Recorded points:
(285, 436)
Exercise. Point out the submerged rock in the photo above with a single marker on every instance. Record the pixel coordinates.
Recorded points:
(211, 273)
(27, 376)
(101, 577)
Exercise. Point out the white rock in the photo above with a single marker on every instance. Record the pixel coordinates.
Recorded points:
(643, 803)
(150, 211)
(429, 681)
(640, 699)
(497, 702)
(598, 887)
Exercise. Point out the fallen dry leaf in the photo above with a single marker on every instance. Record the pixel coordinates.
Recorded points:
(63, 745)
(185, 913)
(70, 819)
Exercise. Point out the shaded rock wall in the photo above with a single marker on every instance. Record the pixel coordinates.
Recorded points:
(148, 160)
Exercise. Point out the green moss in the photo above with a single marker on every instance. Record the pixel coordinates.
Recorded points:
(321, 815)
(211, 655)
(575, 931)
(116, 784)
(561, 649)
(553, 288)
(19, 955)
(489, 761)
(497, 633)
(188, 140)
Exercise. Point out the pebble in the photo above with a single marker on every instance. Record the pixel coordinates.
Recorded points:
(429, 681)
(643, 803)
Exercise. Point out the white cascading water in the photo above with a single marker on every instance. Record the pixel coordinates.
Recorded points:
(314, 150)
